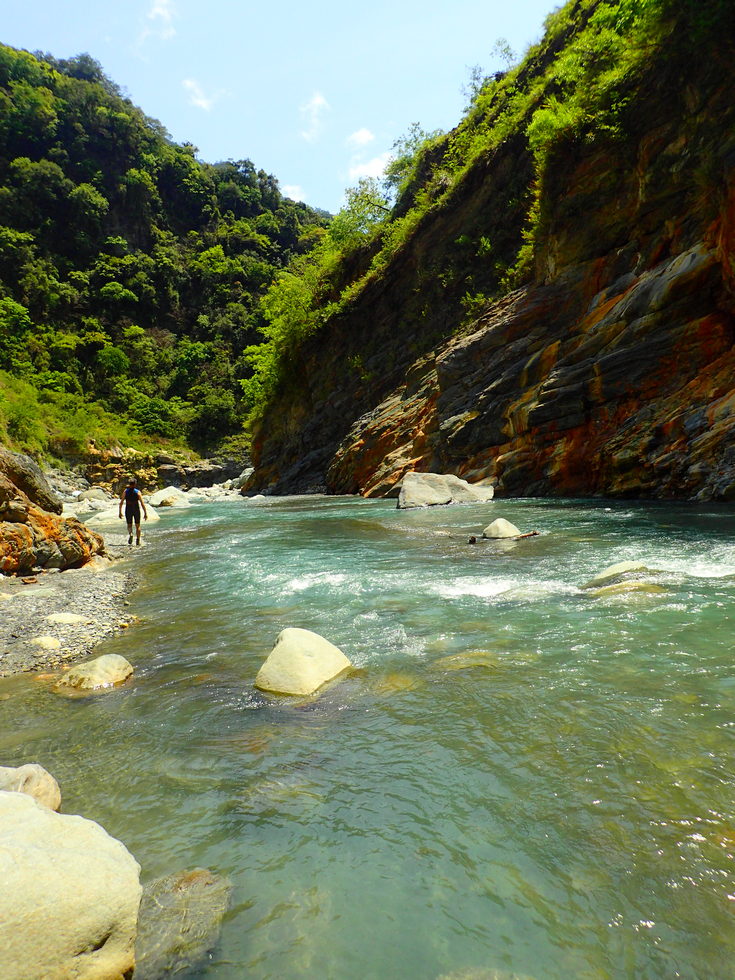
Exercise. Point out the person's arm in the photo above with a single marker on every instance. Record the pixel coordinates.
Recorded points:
(142, 504)
(119, 510)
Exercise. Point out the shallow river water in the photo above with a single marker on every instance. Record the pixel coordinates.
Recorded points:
(557, 805)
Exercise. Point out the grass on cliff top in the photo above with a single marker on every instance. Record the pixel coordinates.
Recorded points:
(575, 85)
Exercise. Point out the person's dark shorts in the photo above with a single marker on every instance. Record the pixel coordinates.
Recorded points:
(132, 514)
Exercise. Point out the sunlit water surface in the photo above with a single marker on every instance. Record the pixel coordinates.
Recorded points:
(562, 809)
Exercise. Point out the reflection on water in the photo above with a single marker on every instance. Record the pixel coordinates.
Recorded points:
(520, 776)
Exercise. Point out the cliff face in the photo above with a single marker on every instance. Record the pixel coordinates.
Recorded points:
(611, 373)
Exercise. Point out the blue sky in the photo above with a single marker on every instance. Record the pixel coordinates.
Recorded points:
(314, 93)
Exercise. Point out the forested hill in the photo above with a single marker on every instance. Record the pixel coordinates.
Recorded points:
(130, 272)
(550, 302)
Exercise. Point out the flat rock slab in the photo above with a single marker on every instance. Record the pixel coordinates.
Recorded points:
(70, 896)
(437, 489)
(300, 663)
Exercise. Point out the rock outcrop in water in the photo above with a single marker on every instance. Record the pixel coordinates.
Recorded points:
(300, 663)
(610, 372)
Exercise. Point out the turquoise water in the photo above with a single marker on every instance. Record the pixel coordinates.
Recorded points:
(562, 809)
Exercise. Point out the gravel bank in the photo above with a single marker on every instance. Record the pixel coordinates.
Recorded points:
(98, 593)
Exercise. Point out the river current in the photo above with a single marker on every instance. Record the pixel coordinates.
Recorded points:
(520, 775)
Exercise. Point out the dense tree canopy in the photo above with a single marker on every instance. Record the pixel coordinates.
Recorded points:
(130, 272)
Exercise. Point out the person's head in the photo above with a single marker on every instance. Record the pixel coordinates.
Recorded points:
(131, 481)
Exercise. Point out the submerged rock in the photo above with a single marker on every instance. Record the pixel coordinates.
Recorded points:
(500, 528)
(467, 661)
(104, 672)
(300, 663)
(436, 489)
(33, 780)
(70, 896)
(179, 922)
(613, 573)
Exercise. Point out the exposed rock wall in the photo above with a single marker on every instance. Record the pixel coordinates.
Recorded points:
(611, 373)
(32, 536)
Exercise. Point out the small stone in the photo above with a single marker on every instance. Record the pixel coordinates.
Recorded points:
(99, 674)
(33, 780)
(46, 642)
(66, 619)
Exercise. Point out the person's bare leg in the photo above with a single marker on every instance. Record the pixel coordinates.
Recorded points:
(130, 531)
(137, 532)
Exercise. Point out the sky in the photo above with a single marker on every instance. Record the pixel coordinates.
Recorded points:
(315, 93)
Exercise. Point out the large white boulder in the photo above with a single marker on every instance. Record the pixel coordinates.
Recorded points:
(615, 572)
(33, 780)
(94, 675)
(169, 497)
(500, 528)
(70, 896)
(108, 517)
(433, 489)
(300, 662)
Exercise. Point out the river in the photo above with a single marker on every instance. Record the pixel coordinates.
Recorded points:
(519, 776)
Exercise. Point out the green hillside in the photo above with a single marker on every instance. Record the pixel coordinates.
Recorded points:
(130, 272)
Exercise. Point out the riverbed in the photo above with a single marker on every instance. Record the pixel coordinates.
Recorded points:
(520, 775)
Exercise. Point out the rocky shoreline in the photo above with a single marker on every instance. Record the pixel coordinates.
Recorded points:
(35, 636)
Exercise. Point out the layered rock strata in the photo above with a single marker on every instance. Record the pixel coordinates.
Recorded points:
(609, 373)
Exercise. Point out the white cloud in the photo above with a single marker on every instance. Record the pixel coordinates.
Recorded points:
(197, 95)
(370, 168)
(312, 113)
(160, 21)
(293, 191)
(361, 137)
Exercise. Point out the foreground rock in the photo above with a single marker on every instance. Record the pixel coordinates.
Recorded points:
(300, 663)
(615, 573)
(435, 489)
(33, 780)
(100, 674)
(501, 528)
(70, 896)
(179, 922)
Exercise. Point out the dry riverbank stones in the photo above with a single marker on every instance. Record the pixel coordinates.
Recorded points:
(300, 663)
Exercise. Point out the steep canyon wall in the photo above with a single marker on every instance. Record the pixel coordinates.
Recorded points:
(611, 372)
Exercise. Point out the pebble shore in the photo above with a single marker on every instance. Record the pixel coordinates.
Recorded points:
(99, 593)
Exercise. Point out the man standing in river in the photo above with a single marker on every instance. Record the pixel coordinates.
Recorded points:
(133, 499)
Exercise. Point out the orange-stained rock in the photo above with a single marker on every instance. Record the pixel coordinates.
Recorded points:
(610, 372)
(31, 537)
